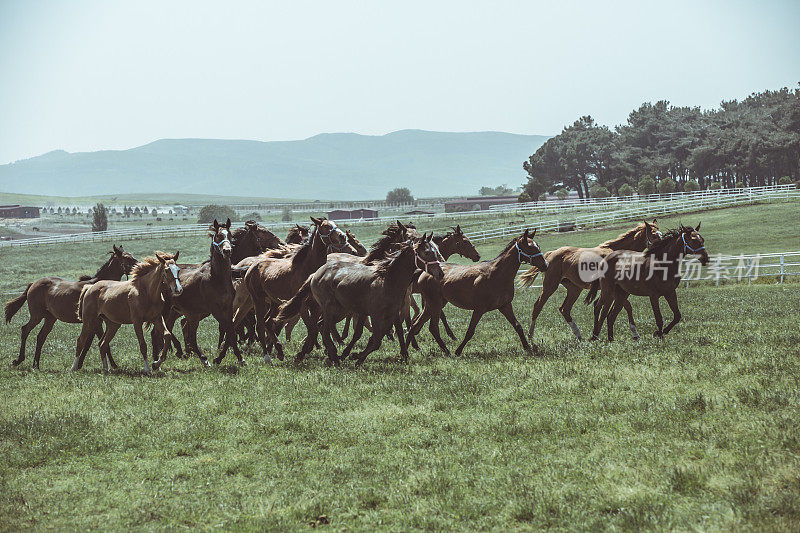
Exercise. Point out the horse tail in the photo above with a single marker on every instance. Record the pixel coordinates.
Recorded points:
(80, 302)
(16, 304)
(292, 307)
(592, 292)
(529, 276)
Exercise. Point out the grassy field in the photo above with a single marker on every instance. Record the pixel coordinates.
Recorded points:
(698, 431)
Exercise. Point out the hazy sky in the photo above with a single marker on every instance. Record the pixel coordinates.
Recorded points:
(83, 75)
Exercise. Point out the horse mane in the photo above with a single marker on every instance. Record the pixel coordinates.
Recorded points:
(105, 266)
(667, 239)
(622, 236)
(147, 265)
(381, 249)
(384, 264)
(507, 248)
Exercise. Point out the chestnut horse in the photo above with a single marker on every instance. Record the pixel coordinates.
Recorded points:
(481, 287)
(136, 301)
(654, 273)
(251, 240)
(271, 280)
(565, 269)
(297, 234)
(51, 299)
(377, 291)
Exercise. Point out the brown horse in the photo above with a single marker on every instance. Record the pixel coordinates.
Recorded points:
(654, 273)
(272, 280)
(207, 290)
(481, 288)
(251, 240)
(51, 299)
(377, 291)
(297, 234)
(566, 269)
(136, 301)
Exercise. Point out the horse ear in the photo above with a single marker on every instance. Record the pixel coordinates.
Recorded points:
(316, 221)
(116, 250)
(698, 226)
(525, 234)
(176, 255)
(458, 229)
(654, 221)
(534, 233)
(400, 225)
(215, 224)
(160, 257)
(228, 224)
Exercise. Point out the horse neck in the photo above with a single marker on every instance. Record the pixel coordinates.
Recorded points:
(446, 245)
(220, 266)
(507, 263)
(630, 241)
(672, 253)
(400, 272)
(105, 273)
(317, 255)
(151, 283)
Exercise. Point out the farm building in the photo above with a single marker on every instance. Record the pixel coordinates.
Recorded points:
(420, 212)
(18, 211)
(349, 214)
(475, 203)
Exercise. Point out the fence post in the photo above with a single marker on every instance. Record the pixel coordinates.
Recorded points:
(782, 265)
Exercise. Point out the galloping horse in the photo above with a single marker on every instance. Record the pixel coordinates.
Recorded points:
(565, 269)
(272, 280)
(136, 301)
(207, 290)
(481, 287)
(654, 273)
(251, 240)
(377, 291)
(297, 234)
(53, 298)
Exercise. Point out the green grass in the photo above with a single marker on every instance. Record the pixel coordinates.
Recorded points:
(698, 431)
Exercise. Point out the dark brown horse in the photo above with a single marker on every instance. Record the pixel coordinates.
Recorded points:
(297, 234)
(377, 291)
(270, 281)
(654, 273)
(481, 288)
(207, 290)
(252, 240)
(566, 269)
(51, 299)
(137, 301)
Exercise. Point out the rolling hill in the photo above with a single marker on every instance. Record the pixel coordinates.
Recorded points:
(336, 166)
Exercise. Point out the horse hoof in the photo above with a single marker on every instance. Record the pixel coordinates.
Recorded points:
(636, 338)
(16, 362)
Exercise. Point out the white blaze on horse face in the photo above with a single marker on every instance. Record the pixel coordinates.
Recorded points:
(175, 269)
(436, 251)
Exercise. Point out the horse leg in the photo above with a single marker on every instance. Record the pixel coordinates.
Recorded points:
(310, 319)
(81, 347)
(104, 346)
(629, 309)
(549, 287)
(288, 327)
(433, 327)
(327, 341)
(358, 330)
(473, 323)
(41, 337)
(26, 329)
(398, 326)
(601, 308)
(166, 334)
(657, 315)
(273, 338)
(137, 327)
(619, 303)
(672, 300)
(508, 312)
(346, 329)
(573, 291)
(375, 340)
(446, 325)
(98, 332)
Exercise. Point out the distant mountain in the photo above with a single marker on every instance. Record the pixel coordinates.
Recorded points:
(335, 166)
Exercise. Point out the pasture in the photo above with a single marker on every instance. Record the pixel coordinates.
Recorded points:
(696, 431)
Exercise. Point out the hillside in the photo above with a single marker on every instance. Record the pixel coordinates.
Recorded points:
(336, 166)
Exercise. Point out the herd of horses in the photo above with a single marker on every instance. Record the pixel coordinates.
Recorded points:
(257, 285)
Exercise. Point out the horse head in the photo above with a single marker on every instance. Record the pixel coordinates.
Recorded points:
(169, 272)
(462, 245)
(220, 238)
(330, 234)
(529, 252)
(427, 256)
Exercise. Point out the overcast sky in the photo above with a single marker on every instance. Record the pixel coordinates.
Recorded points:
(85, 76)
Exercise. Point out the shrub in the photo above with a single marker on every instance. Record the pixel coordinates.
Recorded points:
(646, 186)
(666, 186)
(786, 180)
(625, 190)
(543, 197)
(524, 197)
(715, 186)
(252, 216)
(691, 186)
(599, 191)
(738, 185)
(562, 194)
(214, 211)
(286, 214)
(100, 218)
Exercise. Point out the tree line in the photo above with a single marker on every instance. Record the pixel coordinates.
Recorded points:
(664, 148)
